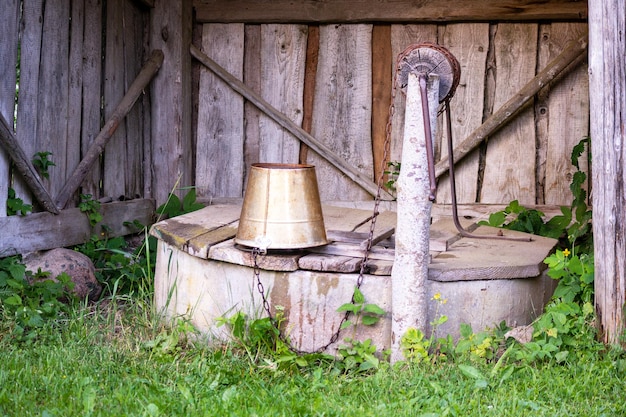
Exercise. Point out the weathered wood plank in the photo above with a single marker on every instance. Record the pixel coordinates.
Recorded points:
(342, 113)
(197, 231)
(310, 74)
(121, 110)
(350, 171)
(170, 31)
(252, 78)
(42, 231)
(351, 11)
(469, 43)
(484, 259)
(382, 67)
(23, 165)
(568, 109)
(219, 163)
(574, 52)
(283, 51)
(403, 36)
(8, 58)
(134, 56)
(607, 87)
(53, 91)
(91, 95)
(75, 103)
(336, 218)
(115, 155)
(30, 53)
(509, 171)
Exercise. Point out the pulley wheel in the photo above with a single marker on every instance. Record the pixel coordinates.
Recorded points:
(428, 58)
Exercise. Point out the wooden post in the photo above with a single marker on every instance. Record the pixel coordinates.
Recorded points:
(410, 267)
(607, 96)
(171, 147)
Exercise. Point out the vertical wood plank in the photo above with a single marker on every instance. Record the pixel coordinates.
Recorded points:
(133, 59)
(27, 119)
(310, 73)
(402, 36)
(219, 162)
(252, 78)
(9, 20)
(91, 92)
(510, 162)
(170, 31)
(568, 110)
(607, 89)
(75, 104)
(382, 67)
(342, 110)
(53, 91)
(469, 43)
(115, 156)
(283, 52)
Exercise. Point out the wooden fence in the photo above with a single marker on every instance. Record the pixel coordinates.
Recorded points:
(75, 61)
(64, 67)
(335, 81)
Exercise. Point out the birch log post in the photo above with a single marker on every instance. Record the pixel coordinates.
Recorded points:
(410, 266)
(607, 94)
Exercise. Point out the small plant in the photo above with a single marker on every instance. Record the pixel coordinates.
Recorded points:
(28, 302)
(42, 163)
(357, 355)
(91, 208)
(573, 225)
(15, 205)
(121, 268)
(392, 172)
(174, 207)
(417, 348)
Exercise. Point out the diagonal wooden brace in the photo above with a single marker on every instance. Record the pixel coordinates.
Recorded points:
(24, 166)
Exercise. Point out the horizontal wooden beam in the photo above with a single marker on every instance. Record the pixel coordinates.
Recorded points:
(356, 11)
(42, 231)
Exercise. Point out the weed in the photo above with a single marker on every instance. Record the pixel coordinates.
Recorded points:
(174, 207)
(91, 208)
(392, 173)
(42, 163)
(29, 302)
(15, 205)
(573, 225)
(416, 347)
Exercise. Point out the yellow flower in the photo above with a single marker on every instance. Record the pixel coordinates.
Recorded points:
(437, 296)
(566, 252)
(553, 332)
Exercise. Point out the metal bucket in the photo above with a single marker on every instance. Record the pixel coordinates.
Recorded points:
(281, 208)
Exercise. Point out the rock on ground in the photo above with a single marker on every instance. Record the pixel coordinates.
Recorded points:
(77, 265)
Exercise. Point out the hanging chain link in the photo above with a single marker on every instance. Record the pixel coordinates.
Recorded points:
(256, 252)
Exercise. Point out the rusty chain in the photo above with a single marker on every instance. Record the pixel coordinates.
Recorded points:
(256, 252)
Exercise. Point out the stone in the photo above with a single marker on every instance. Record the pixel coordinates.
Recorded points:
(77, 265)
(523, 334)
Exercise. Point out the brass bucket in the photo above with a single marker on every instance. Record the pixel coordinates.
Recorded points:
(281, 208)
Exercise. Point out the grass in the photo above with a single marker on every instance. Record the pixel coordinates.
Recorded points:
(117, 359)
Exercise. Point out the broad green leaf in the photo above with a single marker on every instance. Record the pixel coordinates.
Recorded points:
(352, 308)
(471, 372)
(370, 320)
(374, 309)
(359, 298)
